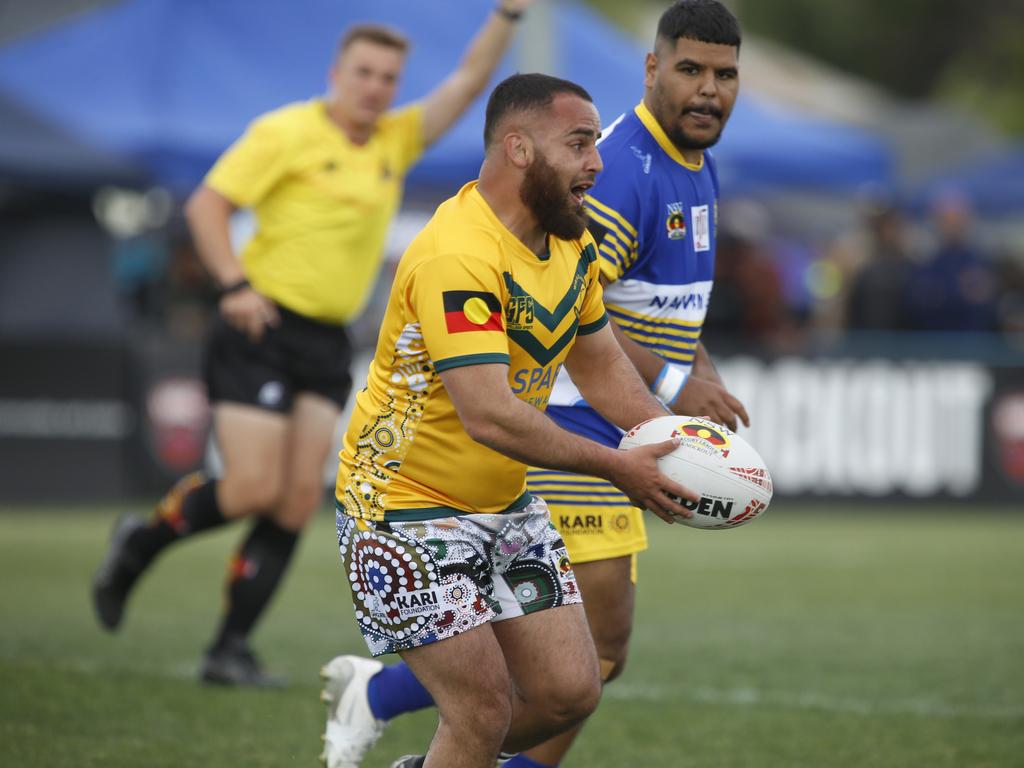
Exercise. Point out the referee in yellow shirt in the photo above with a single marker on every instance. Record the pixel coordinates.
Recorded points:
(324, 178)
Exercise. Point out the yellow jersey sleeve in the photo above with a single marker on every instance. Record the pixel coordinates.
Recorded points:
(457, 300)
(592, 313)
(254, 163)
(404, 131)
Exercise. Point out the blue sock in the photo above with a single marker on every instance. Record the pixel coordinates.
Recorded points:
(522, 761)
(395, 690)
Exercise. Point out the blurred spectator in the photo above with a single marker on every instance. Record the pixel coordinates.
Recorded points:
(1010, 304)
(954, 289)
(140, 266)
(749, 301)
(136, 221)
(192, 297)
(877, 298)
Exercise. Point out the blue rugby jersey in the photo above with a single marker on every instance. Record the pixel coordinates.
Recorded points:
(655, 217)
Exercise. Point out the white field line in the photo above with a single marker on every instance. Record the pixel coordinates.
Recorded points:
(753, 697)
(629, 691)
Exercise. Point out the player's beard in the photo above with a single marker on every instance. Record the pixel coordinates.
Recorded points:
(548, 199)
(677, 134)
(683, 140)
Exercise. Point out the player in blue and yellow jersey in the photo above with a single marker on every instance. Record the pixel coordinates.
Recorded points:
(324, 178)
(653, 212)
(451, 561)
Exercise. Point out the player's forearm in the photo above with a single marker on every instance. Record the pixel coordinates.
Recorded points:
(646, 362)
(664, 377)
(209, 217)
(703, 367)
(615, 390)
(525, 434)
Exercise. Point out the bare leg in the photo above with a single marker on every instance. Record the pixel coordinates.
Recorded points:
(252, 443)
(554, 670)
(514, 682)
(608, 597)
(262, 560)
(467, 676)
(311, 429)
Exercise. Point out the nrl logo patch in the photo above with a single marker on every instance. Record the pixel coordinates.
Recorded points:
(675, 223)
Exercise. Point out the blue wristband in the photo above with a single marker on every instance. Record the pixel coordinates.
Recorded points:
(669, 383)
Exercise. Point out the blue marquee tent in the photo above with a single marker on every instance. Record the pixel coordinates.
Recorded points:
(994, 184)
(36, 154)
(171, 83)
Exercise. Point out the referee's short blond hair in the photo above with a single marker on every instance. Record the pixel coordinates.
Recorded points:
(379, 34)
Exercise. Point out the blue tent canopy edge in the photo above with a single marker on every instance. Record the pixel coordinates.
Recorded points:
(171, 84)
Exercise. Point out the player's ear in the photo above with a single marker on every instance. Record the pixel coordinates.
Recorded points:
(650, 69)
(518, 149)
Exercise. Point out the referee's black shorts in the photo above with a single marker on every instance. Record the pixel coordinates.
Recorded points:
(299, 355)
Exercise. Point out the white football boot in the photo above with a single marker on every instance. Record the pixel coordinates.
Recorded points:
(351, 728)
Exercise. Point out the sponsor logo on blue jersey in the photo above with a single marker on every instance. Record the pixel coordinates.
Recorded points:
(675, 223)
(683, 301)
(643, 157)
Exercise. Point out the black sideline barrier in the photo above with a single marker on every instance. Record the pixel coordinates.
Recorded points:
(69, 420)
(887, 419)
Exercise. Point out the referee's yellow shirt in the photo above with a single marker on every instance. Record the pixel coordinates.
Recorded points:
(322, 204)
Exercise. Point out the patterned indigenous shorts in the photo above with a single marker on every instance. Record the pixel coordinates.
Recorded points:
(414, 583)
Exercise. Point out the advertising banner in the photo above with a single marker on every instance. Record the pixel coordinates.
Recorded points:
(867, 428)
(69, 420)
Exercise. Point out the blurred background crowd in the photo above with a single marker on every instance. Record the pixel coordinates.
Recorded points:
(872, 173)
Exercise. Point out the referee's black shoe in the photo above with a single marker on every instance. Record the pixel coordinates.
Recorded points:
(116, 575)
(232, 662)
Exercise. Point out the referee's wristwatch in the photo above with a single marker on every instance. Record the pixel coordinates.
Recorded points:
(235, 287)
(505, 13)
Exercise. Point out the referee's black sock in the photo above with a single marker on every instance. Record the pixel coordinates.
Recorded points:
(187, 509)
(253, 576)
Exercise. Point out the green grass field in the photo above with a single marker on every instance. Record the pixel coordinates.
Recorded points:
(810, 638)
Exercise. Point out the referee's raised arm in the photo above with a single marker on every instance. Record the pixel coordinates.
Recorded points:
(446, 103)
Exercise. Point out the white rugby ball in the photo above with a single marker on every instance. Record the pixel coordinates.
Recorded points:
(730, 476)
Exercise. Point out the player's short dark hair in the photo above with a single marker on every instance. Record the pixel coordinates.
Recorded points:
(707, 21)
(522, 93)
(379, 34)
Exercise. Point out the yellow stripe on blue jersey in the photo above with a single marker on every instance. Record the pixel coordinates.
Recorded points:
(322, 204)
(619, 242)
(654, 324)
(571, 489)
(466, 292)
(596, 521)
(673, 340)
(627, 228)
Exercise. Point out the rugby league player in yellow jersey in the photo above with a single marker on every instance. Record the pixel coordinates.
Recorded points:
(450, 560)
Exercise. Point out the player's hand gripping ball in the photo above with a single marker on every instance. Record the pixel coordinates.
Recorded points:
(730, 476)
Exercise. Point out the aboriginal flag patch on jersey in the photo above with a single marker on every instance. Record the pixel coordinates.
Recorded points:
(471, 311)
